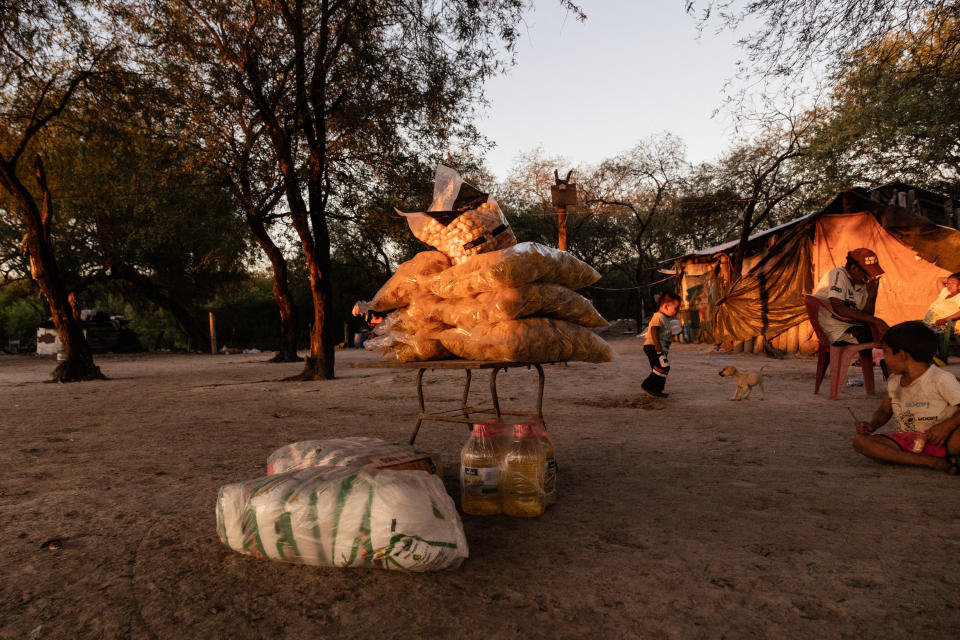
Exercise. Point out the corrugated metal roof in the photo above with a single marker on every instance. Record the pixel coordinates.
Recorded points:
(757, 236)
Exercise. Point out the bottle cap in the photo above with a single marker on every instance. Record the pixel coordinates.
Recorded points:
(482, 430)
(522, 431)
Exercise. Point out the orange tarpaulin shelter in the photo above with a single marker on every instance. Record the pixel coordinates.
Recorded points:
(768, 300)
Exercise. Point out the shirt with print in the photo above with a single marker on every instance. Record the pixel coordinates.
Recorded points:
(931, 398)
(666, 336)
(839, 285)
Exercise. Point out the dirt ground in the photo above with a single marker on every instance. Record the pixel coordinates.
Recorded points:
(700, 518)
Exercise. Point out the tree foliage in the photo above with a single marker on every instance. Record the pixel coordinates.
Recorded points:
(349, 92)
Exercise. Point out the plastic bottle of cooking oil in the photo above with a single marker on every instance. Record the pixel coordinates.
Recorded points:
(550, 468)
(480, 473)
(521, 487)
(500, 435)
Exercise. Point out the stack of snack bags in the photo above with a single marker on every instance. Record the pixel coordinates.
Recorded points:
(515, 303)
(352, 502)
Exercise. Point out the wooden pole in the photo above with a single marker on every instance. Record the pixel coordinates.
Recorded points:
(562, 228)
(213, 335)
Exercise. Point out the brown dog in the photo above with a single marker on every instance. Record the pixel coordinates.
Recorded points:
(746, 381)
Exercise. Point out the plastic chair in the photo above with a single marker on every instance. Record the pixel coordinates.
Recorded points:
(839, 357)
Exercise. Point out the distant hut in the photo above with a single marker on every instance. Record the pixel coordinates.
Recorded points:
(763, 308)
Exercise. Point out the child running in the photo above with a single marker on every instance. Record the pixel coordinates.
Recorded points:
(657, 344)
(922, 399)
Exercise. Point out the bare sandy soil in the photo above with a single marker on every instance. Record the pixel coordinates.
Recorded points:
(703, 518)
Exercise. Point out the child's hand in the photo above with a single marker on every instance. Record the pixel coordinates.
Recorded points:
(663, 360)
(865, 428)
(937, 434)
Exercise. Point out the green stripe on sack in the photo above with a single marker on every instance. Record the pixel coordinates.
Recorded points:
(221, 523)
(363, 540)
(286, 540)
(432, 543)
(345, 485)
(253, 529)
(317, 534)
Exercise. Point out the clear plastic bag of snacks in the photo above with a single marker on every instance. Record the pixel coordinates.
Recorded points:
(512, 267)
(404, 284)
(408, 338)
(527, 340)
(462, 221)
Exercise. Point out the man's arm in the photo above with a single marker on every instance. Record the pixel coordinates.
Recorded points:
(880, 417)
(844, 312)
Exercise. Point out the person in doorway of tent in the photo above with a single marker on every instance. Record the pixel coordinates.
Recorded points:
(923, 400)
(851, 294)
(657, 343)
(943, 314)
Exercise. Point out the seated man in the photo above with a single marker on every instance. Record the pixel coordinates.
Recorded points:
(851, 293)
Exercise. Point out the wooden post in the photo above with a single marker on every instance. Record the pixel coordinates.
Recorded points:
(213, 335)
(562, 229)
(562, 194)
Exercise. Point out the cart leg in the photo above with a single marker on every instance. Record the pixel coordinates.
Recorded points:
(413, 436)
(493, 390)
(466, 395)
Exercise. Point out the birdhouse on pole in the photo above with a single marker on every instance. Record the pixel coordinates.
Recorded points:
(562, 194)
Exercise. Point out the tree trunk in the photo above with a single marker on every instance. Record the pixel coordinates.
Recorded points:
(281, 292)
(640, 298)
(78, 364)
(319, 365)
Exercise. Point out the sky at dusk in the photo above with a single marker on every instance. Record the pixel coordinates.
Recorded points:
(589, 90)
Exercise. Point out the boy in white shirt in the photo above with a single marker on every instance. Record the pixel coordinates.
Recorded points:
(924, 400)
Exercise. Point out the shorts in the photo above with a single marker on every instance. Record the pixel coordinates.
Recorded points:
(905, 440)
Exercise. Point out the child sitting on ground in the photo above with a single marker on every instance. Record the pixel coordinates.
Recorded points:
(923, 400)
(657, 344)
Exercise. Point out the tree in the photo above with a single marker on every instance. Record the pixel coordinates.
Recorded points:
(763, 171)
(48, 54)
(644, 183)
(789, 37)
(892, 117)
(346, 91)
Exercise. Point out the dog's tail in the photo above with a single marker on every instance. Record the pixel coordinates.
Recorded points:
(762, 368)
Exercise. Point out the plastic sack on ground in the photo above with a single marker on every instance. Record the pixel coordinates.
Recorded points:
(512, 267)
(404, 283)
(527, 340)
(337, 516)
(509, 303)
(462, 221)
(355, 452)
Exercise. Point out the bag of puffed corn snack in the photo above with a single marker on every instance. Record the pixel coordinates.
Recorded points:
(406, 281)
(344, 517)
(527, 340)
(508, 303)
(462, 221)
(511, 267)
(406, 337)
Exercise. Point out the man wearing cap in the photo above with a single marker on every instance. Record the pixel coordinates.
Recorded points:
(851, 292)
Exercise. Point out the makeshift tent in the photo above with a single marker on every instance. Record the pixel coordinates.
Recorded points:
(766, 303)
(913, 251)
